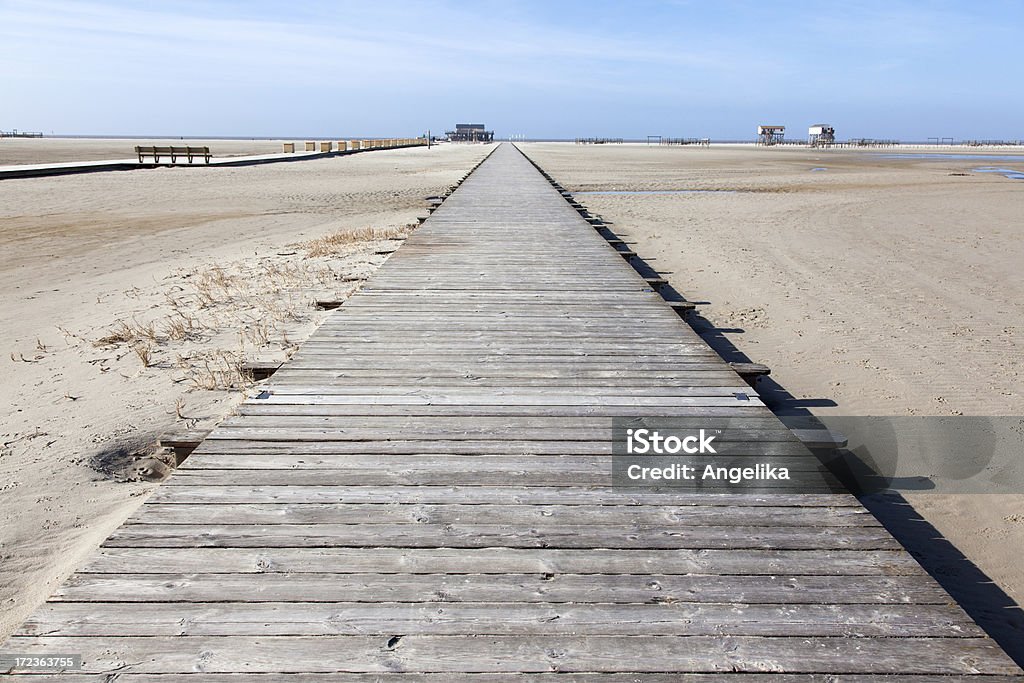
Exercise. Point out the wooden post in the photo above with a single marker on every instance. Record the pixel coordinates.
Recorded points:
(354, 144)
(326, 146)
(342, 146)
(289, 147)
(310, 146)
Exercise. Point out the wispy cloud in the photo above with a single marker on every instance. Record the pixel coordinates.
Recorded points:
(402, 61)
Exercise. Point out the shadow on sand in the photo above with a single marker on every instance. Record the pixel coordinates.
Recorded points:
(985, 602)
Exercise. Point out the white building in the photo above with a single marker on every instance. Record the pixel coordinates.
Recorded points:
(770, 135)
(821, 134)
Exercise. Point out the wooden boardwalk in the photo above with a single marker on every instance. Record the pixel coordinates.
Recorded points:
(423, 494)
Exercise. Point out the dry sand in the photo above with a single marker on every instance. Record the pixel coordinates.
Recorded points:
(196, 270)
(873, 287)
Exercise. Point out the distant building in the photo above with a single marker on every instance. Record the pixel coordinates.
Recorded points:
(470, 132)
(821, 134)
(770, 135)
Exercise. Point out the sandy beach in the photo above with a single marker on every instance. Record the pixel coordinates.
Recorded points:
(882, 284)
(130, 299)
(870, 285)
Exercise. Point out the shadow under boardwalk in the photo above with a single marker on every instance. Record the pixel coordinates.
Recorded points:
(423, 493)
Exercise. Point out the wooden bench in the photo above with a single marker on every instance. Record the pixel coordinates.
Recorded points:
(172, 152)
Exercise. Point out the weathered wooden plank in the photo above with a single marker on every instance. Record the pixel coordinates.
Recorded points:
(307, 428)
(428, 653)
(289, 467)
(389, 310)
(526, 588)
(523, 343)
(559, 676)
(538, 330)
(477, 535)
(321, 369)
(502, 324)
(441, 356)
(738, 428)
(498, 380)
(555, 295)
(754, 562)
(395, 310)
(569, 494)
(321, 442)
(371, 514)
(349, 618)
(418, 397)
(513, 364)
(808, 481)
(484, 395)
(281, 407)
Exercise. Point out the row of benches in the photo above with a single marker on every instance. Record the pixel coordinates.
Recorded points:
(194, 152)
(172, 152)
(352, 145)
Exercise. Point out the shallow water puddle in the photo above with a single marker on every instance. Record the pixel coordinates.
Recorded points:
(1008, 172)
(935, 156)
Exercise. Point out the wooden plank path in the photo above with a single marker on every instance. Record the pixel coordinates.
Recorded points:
(423, 494)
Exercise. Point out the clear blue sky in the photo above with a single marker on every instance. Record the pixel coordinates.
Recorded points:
(898, 69)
